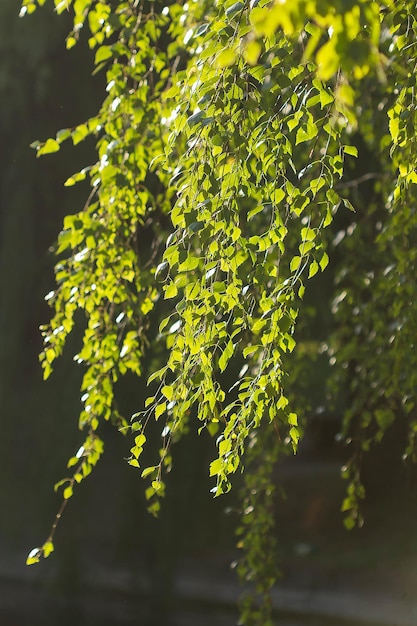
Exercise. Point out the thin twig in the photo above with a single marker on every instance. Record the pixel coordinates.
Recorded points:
(361, 179)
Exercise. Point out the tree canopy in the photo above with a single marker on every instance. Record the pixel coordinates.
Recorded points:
(230, 138)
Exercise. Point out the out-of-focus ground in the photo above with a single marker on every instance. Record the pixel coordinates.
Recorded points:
(329, 575)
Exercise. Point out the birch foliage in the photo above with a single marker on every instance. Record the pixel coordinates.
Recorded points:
(223, 142)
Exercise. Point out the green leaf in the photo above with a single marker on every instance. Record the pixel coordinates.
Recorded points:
(306, 133)
(352, 150)
(292, 419)
(295, 263)
(70, 42)
(249, 350)
(47, 548)
(191, 263)
(72, 180)
(60, 483)
(63, 134)
(226, 355)
(236, 7)
(216, 467)
(34, 556)
(348, 205)
(171, 291)
(103, 54)
(50, 146)
(162, 270)
(196, 118)
(308, 234)
(160, 409)
(226, 58)
(324, 261)
(148, 471)
(68, 491)
(252, 52)
(168, 392)
(295, 435)
(140, 439)
(79, 134)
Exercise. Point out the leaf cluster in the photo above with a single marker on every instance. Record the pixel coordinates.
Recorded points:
(223, 143)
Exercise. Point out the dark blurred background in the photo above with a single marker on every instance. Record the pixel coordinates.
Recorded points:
(114, 564)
